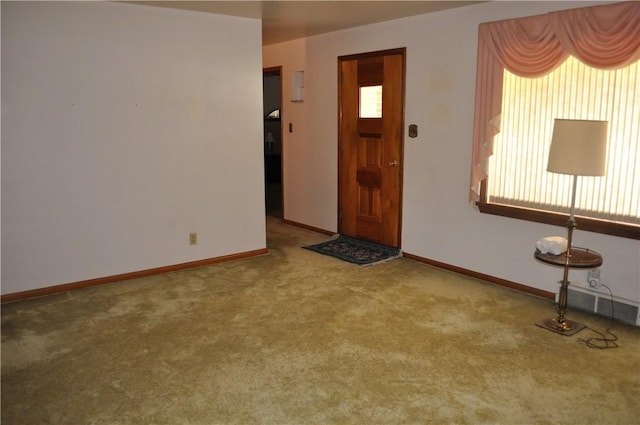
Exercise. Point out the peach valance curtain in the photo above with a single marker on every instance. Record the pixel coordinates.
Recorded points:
(601, 36)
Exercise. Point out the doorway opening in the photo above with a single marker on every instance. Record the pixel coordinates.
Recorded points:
(272, 103)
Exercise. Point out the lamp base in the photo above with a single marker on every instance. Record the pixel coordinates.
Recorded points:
(566, 327)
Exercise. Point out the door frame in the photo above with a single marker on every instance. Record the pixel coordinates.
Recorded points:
(402, 51)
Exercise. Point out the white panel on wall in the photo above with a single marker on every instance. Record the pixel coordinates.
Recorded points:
(297, 93)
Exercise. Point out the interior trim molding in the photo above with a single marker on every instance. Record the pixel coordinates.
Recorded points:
(306, 226)
(50, 290)
(482, 276)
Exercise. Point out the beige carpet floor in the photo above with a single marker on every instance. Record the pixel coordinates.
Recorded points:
(295, 337)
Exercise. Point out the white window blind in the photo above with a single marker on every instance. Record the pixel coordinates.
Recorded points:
(517, 169)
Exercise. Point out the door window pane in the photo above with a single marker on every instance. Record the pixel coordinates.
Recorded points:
(371, 102)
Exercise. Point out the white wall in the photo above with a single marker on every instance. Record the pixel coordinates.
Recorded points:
(438, 221)
(125, 128)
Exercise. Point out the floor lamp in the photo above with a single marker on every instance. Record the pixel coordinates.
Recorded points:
(578, 148)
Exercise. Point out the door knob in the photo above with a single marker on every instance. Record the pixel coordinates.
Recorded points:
(394, 163)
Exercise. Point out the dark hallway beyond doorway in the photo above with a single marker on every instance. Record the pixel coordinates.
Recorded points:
(272, 94)
(273, 199)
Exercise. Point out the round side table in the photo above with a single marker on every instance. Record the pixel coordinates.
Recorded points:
(576, 258)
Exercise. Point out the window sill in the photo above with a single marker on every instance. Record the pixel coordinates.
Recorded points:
(583, 223)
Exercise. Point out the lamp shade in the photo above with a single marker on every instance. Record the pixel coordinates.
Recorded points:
(578, 147)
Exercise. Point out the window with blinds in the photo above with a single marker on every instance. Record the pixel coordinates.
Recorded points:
(517, 169)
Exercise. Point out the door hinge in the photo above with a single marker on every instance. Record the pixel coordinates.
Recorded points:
(340, 214)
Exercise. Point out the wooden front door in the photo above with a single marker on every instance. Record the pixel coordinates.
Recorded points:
(371, 101)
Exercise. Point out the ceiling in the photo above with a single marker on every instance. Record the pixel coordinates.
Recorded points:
(289, 20)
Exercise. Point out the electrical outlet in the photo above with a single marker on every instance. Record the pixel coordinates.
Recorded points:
(593, 278)
(193, 239)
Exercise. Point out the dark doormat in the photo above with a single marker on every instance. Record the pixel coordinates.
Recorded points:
(355, 251)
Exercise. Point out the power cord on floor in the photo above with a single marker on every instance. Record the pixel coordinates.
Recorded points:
(603, 342)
